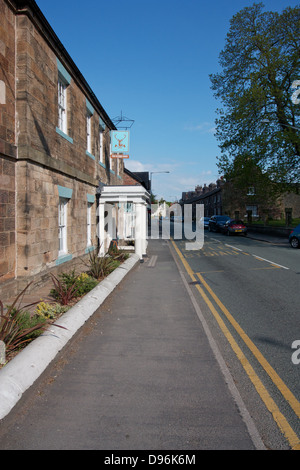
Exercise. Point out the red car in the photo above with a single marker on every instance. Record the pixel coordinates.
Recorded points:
(235, 226)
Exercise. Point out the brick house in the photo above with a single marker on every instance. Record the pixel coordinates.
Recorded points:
(223, 198)
(54, 151)
(210, 196)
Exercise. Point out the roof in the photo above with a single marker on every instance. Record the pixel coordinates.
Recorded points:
(142, 177)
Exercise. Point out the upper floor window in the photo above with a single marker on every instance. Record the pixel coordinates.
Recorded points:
(62, 105)
(88, 132)
(251, 191)
(101, 140)
(89, 114)
(63, 82)
(101, 149)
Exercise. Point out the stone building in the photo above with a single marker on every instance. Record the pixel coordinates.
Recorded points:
(251, 203)
(54, 151)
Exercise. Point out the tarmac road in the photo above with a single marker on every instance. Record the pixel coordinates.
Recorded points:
(143, 373)
(248, 290)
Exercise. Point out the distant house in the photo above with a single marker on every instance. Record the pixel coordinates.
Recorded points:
(251, 203)
(210, 196)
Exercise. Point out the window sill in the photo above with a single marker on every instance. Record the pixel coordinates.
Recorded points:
(102, 164)
(89, 154)
(65, 136)
(90, 248)
(63, 258)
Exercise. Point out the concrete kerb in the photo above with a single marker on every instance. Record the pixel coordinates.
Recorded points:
(22, 371)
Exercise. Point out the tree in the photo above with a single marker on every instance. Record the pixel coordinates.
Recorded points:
(249, 186)
(260, 62)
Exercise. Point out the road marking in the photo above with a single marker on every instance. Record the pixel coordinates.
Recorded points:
(270, 371)
(257, 257)
(278, 417)
(152, 261)
(234, 247)
(268, 261)
(208, 272)
(216, 240)
(256, 438)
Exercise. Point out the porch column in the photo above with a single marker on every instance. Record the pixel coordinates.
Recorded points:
(140, 229)
(144, 228)
(101, 231)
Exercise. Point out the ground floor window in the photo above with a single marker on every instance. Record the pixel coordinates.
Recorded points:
(89, 224)
(62, 226)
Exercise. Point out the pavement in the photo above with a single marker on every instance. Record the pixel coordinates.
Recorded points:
(277, 240)
(146, 373)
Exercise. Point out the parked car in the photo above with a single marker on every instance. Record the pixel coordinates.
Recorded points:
(217, 222)
(234, 226)
(205, 221)
(294, 237)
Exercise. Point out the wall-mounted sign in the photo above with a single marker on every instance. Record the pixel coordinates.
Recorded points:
(119, 155)
(119, 141)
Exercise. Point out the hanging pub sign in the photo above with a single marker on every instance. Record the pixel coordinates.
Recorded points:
(119, 141)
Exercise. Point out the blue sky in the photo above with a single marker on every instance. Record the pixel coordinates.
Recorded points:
(151, 61)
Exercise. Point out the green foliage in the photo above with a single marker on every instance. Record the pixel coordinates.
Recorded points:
(18, 326)
(62, 291)
(33, 325)
(68, 286)
(101, 266)
(85, 283)
(49, 311)
(259, 62)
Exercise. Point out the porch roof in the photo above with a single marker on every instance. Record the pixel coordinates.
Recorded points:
(124, 193)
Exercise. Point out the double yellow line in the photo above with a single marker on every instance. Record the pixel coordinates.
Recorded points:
(281, 421)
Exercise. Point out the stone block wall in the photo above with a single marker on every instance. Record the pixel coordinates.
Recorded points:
(37, 231)
(7, 144)
(7, 219)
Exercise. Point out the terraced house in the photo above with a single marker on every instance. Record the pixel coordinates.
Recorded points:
(54, 151)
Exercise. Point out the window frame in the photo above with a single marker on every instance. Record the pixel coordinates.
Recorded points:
(62, 226)
(89, 224)
(62, 86)
(101, 145)
(88, 131)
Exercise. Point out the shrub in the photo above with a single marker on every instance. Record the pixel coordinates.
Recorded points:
(18, 326)
(64, 291)
(49, 311)
(69, 286)
(85, 283)
(101, 266)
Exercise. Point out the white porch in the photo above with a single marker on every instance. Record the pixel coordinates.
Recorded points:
(123, 216)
